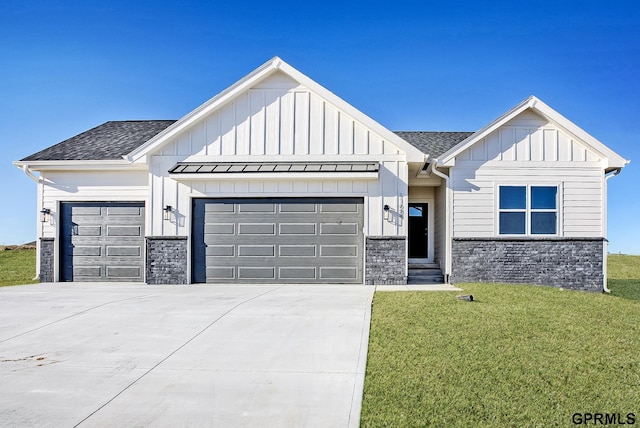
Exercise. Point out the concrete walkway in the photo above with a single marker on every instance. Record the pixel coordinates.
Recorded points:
(418, 287)
(138, 355)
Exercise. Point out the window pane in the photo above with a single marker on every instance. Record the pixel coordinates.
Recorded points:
(513, 197)
(543, 223)
(512, 223)
(415, 211)
(543, 197)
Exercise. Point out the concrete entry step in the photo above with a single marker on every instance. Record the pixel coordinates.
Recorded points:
(425, 276)
(424, 266)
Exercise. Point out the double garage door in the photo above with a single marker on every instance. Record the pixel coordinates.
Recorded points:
(284, 240)
(102, 241)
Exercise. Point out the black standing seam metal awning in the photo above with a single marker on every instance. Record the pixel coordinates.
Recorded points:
(262, 167)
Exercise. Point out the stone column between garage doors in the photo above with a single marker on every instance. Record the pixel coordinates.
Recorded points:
(385, 260)
(166, 260)
(47, 249)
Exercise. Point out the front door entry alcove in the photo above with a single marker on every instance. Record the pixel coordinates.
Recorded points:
(418, 231)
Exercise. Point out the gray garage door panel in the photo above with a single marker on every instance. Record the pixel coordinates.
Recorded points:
(102, 241)
(286, 240)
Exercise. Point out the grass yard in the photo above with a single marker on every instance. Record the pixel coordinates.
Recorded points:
(517, 356)
(624, 276)
(17, 266)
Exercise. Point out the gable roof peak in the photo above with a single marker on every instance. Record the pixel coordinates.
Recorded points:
(275, 64)
(276, 61)
(537, 105)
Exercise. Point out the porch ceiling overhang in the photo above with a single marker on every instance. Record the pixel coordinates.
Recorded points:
(219, 170)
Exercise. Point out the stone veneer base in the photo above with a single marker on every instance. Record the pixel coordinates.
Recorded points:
(385, 260)
(574, 263)
(166, 260)
(47, 249)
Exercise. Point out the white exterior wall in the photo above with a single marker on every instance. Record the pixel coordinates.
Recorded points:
(528, 150)
(88, 186)
(439, 222)
(387, 189)
(278, 120)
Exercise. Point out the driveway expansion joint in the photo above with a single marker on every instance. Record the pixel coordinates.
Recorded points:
(173, 353)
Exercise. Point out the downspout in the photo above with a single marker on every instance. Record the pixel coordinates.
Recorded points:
(38, 180)
(27, 171)
(604, 221)
(447, 219)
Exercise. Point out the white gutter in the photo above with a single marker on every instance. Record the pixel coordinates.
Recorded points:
(605, 242)
(447, 220)
(27, 171)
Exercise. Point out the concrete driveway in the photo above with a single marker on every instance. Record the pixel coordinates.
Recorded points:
(223, 356)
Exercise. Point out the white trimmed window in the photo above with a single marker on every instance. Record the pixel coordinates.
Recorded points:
(528, 210)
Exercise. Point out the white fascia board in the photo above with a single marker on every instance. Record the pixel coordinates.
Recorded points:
(139, 154)
(80, 165)
(240, 176)
(614, 160)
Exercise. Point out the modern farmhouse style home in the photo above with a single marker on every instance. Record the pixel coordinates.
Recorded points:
(278, 180)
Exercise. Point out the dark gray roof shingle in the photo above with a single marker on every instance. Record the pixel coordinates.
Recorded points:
(115, 139)
(108, 141)
(433, 143)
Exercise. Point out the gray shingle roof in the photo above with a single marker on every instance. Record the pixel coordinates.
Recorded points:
(433, 143)
(113, 140)
(108, 141)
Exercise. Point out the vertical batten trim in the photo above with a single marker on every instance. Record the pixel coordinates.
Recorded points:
(279, 127)
(205, 135)
(264, 121)
(249, 123)
(177, 207)
(150, 208)
(219, 136)
(323, 149)
(308, 121)
(293, 123)
(338, 117)
(235, 128)
(353, 136)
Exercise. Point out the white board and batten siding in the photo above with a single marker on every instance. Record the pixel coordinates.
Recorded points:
(89, 186)
(279, 120)
(528, 150)
(387, 190)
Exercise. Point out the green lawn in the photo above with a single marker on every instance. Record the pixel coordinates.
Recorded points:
(624, 276)
(517, 356)
(17, 266)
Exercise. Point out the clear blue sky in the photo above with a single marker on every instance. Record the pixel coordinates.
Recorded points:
(67, 66)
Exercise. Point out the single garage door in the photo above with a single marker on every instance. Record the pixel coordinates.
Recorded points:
(102, 241)
(284, 240)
